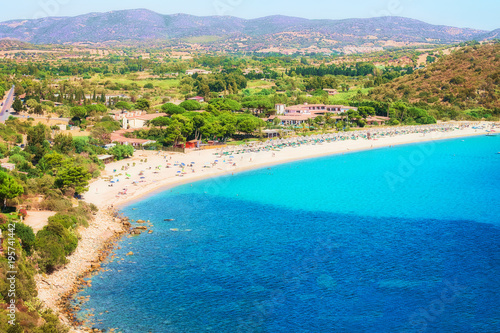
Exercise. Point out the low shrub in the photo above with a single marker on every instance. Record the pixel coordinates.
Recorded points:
(53, 243)
(27, 236)
(69, 222)
(55, 205)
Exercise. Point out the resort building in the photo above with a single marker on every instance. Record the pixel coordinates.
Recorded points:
(318, 109)
(119, 138)
(376, 120)
(280, 108)
(296, 115)
(293, 119)
(136, 119)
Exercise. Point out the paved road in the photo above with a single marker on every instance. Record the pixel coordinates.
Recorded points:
(26, 116)
(4, 115)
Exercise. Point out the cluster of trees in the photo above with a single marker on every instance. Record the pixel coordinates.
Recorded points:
(3, 88)
(360, 69)
(402, 113)
(218, 124)
(232, 83)
(57, 168)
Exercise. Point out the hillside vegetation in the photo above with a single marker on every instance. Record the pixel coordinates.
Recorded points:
(141, 24)
(468, 79)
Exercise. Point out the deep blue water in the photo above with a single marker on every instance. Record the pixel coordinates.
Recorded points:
(402, 239)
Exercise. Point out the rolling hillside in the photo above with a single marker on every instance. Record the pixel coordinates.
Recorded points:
(466, 79)
(141, 24)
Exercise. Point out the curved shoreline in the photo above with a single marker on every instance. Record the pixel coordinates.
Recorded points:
(57, 289)
(166, 179)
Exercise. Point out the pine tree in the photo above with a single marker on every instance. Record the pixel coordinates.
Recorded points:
(17, 105)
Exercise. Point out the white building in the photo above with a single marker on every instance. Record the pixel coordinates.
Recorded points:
(280, 108)
(139, 121)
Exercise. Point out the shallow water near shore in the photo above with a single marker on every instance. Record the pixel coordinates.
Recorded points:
(402, 239)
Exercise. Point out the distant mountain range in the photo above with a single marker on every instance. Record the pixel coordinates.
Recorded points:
(142, 25)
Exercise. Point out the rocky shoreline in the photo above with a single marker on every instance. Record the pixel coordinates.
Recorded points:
(96, 244)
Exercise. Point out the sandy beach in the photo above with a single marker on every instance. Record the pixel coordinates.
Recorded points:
(151, 171)
(147, 172)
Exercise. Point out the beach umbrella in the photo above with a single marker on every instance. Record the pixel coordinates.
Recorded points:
(143, 177)
(128, 175)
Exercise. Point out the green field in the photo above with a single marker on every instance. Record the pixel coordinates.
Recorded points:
(161, 83)
(346, 95)
(259, 84)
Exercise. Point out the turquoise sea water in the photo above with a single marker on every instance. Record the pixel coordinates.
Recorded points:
(401, 239)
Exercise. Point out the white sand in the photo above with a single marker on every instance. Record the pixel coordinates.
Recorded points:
(102, 194)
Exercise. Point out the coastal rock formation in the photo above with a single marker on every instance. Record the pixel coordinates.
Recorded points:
(55, 290)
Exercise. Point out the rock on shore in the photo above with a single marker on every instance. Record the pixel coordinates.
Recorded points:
(51, 288)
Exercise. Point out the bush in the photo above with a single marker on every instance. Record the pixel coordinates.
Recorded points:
(121, 151)
(3, 219)
(190, 105)
(69, 222)
(53, 243)
(171, 109)
(55, 205)
(27, 236)
(52, 324)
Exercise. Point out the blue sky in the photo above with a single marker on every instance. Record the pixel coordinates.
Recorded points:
(479, 14)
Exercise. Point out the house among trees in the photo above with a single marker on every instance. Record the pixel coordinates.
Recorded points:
(8, 166)
(199, 99)
(135, 121)
(197, 71)
(318, 109)
(293, 119)
(119, 138)
(106, 158)
(192, 144)
(298, 114)
(280, 108)
(331, 92)
(376, 120)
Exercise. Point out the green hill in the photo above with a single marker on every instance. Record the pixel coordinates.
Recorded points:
(467, 79)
